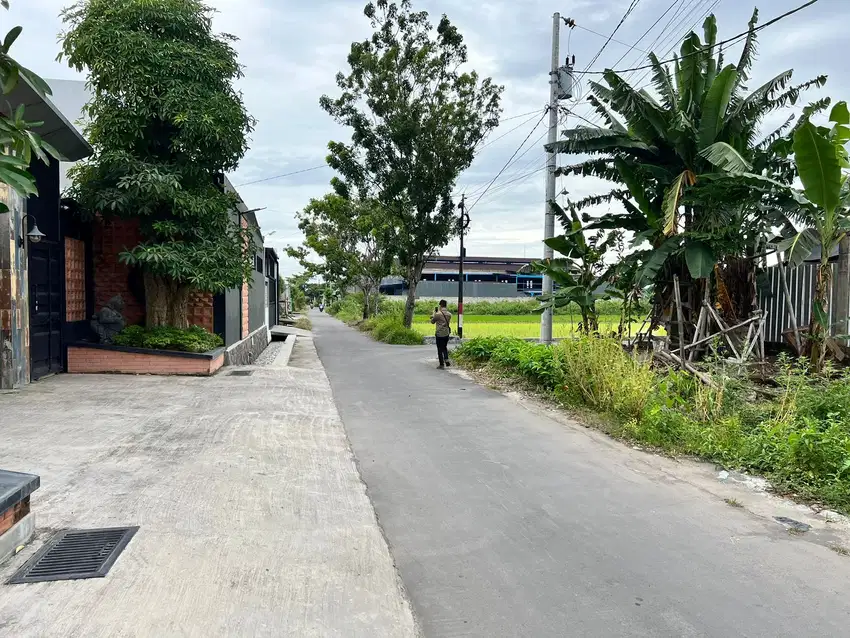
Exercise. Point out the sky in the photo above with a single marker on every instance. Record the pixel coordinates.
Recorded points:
(292, 50)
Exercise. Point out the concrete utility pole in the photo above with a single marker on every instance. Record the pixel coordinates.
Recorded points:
(549, 226)
(463, 224)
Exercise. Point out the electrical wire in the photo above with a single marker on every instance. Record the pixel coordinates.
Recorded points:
(628, 12)
(518, 126)
(282, 175)
(508, 163)
(732, 40)
(631, 47)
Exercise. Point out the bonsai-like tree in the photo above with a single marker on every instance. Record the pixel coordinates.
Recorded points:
(165, 124)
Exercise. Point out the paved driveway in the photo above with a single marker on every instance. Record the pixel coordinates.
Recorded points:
(254, 521)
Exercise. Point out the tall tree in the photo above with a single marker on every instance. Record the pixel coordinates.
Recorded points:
(353, 239)
(19, 140)
(697, 181)
(166, 123)
(416, 118)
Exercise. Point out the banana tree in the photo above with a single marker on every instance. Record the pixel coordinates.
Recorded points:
(581, 272)
(688, 162)
(820, 154)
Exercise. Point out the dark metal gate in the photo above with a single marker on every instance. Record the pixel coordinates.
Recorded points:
(46, 290)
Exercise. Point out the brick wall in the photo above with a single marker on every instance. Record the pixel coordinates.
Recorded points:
(75, 280)
(98, 360)
(111, 277)
(13, 515)
(201, 310)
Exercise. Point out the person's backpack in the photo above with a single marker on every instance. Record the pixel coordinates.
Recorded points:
(448, 321)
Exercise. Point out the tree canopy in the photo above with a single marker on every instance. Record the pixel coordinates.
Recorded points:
(416, 118)
(165, 124)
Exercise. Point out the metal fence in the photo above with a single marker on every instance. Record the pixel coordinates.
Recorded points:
(801, 284)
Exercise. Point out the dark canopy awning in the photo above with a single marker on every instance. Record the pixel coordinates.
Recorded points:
(56, 129)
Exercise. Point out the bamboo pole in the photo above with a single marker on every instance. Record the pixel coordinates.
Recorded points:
(789, 306)
(680, 317)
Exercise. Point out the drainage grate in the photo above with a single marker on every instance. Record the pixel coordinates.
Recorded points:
(74, 554)
(241, 373)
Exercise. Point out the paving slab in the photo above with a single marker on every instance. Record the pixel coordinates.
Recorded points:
(253, 518)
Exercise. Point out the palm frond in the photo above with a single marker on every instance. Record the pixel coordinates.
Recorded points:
(748, 53)
(601, 167)
(646, 118)
(606, 114)
(725, 157)
(663, 83)
(777, 134)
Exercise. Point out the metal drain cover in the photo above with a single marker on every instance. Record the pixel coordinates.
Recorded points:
(74, 554)
(241, 373)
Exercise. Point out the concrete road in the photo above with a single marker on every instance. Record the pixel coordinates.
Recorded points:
(504, 523)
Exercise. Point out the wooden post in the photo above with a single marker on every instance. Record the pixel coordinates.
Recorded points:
(724, 329)
(680, 317)
(789, 306)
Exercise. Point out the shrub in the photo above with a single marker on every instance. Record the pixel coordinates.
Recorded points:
(598, 373)
(390, 329)
(194, 339)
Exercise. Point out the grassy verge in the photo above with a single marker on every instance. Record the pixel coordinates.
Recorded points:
(386, 327)
(796, 434)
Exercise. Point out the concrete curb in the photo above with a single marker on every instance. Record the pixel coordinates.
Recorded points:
(282, 359)
(19, 534)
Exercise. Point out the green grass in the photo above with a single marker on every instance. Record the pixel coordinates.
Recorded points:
(520, 326)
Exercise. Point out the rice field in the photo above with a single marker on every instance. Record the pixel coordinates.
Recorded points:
(521, 326)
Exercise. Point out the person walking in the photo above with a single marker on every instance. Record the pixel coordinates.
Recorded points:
(442, 320)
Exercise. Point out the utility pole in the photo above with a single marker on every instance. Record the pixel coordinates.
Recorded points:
(463, 224)
(549, 225)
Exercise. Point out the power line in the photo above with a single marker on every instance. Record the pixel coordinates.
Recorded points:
(508, 163)
(628, 12)
(518, 126)
(731, 40)
(631, 47)
(268, 179)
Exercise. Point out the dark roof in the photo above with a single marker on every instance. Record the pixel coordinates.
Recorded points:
(56, 130)
(477, 264)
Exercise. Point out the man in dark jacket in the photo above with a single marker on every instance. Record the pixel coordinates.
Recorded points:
(442, 320)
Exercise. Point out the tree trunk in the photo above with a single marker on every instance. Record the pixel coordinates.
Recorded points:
(410, 304)
(178, 305)
(156, 301)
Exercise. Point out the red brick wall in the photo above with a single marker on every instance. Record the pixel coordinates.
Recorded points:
(111, 277)
(201, 310)
(96, 360)
(13, 515)
(75, 280)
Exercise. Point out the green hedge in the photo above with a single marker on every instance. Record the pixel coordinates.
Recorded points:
(194, 339)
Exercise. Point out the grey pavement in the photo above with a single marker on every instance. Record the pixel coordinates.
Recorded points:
(505, 522)
(253, 518)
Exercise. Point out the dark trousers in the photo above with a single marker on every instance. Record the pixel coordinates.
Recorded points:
(443, 350)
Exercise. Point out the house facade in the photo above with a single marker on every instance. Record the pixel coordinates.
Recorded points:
(50, 289)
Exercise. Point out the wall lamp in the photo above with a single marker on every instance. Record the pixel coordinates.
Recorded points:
(34, 235)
